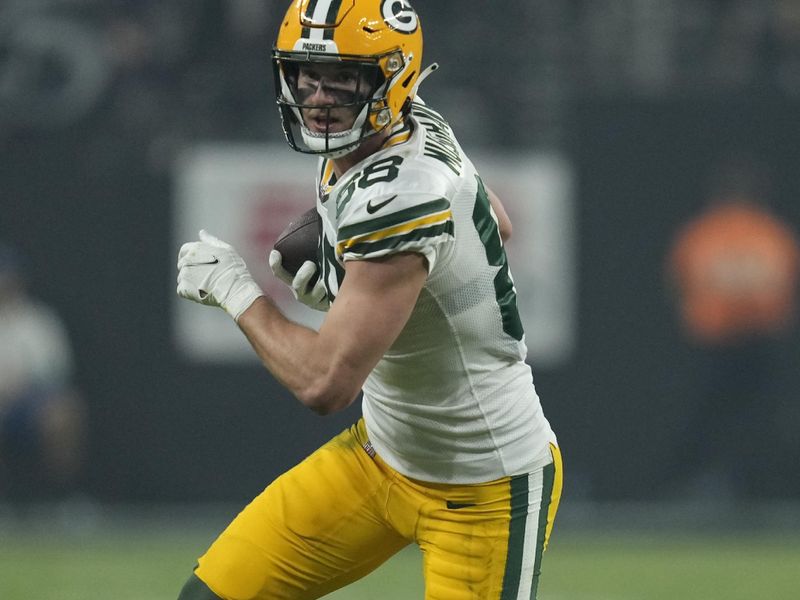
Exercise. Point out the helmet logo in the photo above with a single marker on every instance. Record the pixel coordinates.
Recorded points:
(399, 15)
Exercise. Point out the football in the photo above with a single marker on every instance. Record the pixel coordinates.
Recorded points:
(298, 242)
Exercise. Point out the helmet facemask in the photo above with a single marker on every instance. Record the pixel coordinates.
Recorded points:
(330, 104)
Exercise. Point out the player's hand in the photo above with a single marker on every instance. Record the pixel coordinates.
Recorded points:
(314, 296)
(211, 272)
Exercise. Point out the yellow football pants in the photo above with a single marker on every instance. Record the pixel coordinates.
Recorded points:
(342, 512)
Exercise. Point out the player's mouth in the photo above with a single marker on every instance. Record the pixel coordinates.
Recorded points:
(326, 121)
(323, 124)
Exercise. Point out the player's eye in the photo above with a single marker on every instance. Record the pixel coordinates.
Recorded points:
(308, 78)
(347, 78)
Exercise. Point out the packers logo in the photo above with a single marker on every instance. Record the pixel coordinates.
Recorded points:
(399, 15)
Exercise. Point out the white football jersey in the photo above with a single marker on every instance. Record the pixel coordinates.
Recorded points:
(452, 400)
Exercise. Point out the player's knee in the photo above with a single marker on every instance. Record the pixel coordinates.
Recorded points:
(195, 589)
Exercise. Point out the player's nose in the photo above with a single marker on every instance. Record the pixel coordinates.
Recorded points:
(321, 96)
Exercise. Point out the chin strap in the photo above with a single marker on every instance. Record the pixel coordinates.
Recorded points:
(423, 76)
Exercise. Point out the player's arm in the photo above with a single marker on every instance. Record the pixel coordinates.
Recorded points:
(325, 370)
(503, 222)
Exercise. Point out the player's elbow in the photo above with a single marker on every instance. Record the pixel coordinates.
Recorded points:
(325, 408)
(326, 404)
(326, 395)
(505, 230)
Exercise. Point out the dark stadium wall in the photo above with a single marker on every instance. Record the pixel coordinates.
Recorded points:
(95, 221)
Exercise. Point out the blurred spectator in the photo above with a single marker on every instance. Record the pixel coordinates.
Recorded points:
(735, 269)
(41, 415)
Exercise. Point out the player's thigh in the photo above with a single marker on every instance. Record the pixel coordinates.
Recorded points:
(313, 530)
(492, 550)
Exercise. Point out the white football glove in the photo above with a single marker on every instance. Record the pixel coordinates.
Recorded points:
(212, 273)
(314, 296)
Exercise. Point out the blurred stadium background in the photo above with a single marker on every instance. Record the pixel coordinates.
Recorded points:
(628, 104)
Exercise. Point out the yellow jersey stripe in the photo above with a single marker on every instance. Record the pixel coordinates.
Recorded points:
(381, 234)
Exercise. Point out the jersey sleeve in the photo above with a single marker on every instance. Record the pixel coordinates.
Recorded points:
(390, 219)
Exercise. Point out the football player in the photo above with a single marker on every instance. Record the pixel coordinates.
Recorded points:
(453, 451)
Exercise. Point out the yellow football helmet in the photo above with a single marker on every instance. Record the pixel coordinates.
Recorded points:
(380, 41)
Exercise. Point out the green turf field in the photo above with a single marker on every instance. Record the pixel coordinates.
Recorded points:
(150, 562)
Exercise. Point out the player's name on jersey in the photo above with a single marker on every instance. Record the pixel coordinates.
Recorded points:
(439, 141)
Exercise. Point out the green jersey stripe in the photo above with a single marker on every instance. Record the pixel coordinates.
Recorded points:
(398, 242)
(401, 216)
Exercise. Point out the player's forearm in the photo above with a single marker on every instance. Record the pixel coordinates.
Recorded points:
(299, 359)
